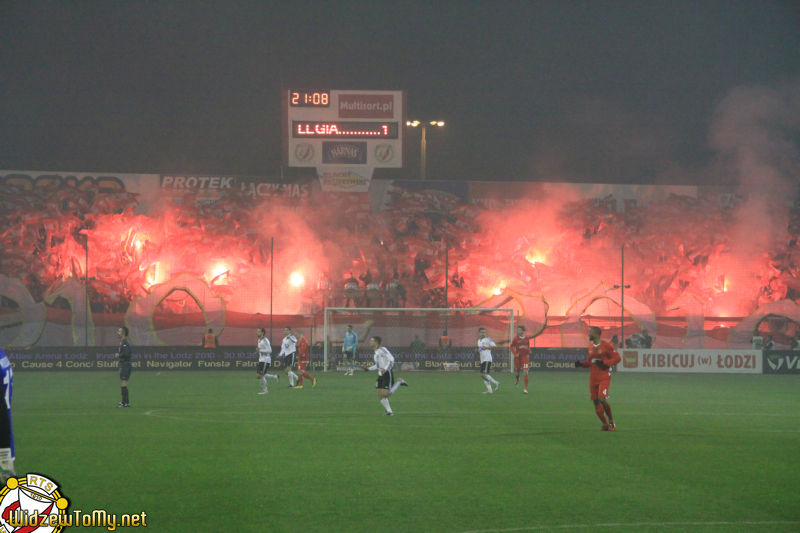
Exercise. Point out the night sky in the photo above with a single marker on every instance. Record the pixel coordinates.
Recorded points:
(595, 91)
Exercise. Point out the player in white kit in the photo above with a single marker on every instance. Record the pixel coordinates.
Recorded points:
(485, 345)
(384, 364)
(264, 360)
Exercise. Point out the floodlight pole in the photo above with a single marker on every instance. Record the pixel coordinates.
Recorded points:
(271, 271)
(446, 271)
(622, 295)
(423, 144)
(622, 288)
(423, 150)
(446, 278)
(86, 296)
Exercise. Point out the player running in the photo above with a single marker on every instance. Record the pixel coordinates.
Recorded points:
(601, 357)
(384, 364)
(485, 344)
(520, 347)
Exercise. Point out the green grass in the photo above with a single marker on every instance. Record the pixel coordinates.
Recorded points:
(201, 451)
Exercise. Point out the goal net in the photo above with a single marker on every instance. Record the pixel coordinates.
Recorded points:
(419, 338)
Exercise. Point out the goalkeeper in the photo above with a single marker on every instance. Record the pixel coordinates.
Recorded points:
(349, 350)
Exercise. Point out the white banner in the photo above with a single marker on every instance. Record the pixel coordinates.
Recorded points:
(338, 179)
(692, 361)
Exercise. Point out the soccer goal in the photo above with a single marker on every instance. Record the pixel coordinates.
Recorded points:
(420, 338)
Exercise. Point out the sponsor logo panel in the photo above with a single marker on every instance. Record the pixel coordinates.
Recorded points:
(782, 362)
(366, 105)
(345, 179)
(354, 153)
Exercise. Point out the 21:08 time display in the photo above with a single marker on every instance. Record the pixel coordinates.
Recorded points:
(309, 98)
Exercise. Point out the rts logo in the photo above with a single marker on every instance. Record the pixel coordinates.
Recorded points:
(32, 503)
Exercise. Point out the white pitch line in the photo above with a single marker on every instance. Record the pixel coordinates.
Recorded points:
(361, 420)
(638, 524)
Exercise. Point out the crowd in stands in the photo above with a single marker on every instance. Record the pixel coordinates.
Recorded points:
(397, 256)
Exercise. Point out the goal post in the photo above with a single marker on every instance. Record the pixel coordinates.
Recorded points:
(418, 337)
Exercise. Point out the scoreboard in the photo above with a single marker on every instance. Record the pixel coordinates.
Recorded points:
(352, 128)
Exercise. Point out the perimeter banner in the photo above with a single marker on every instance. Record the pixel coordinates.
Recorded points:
(692, 361)
(464, 358)
(556, 358)
(162, 358)
(144, 358)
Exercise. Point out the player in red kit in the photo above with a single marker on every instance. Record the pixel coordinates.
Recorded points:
(302, 361)
(521, 347)
(601, 357)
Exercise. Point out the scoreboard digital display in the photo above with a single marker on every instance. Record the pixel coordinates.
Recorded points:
(343, 128)
(309, 98)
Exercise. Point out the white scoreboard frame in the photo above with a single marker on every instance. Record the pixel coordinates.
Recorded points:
(363, 112)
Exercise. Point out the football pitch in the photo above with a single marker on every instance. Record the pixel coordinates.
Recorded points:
(201, 451)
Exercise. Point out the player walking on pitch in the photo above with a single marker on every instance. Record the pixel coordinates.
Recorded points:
(384, 364)
(302, 361)
(485, 345)
(600, 358)
(521, 347)
(264, 360)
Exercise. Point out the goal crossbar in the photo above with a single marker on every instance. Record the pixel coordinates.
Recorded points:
(389, 322)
